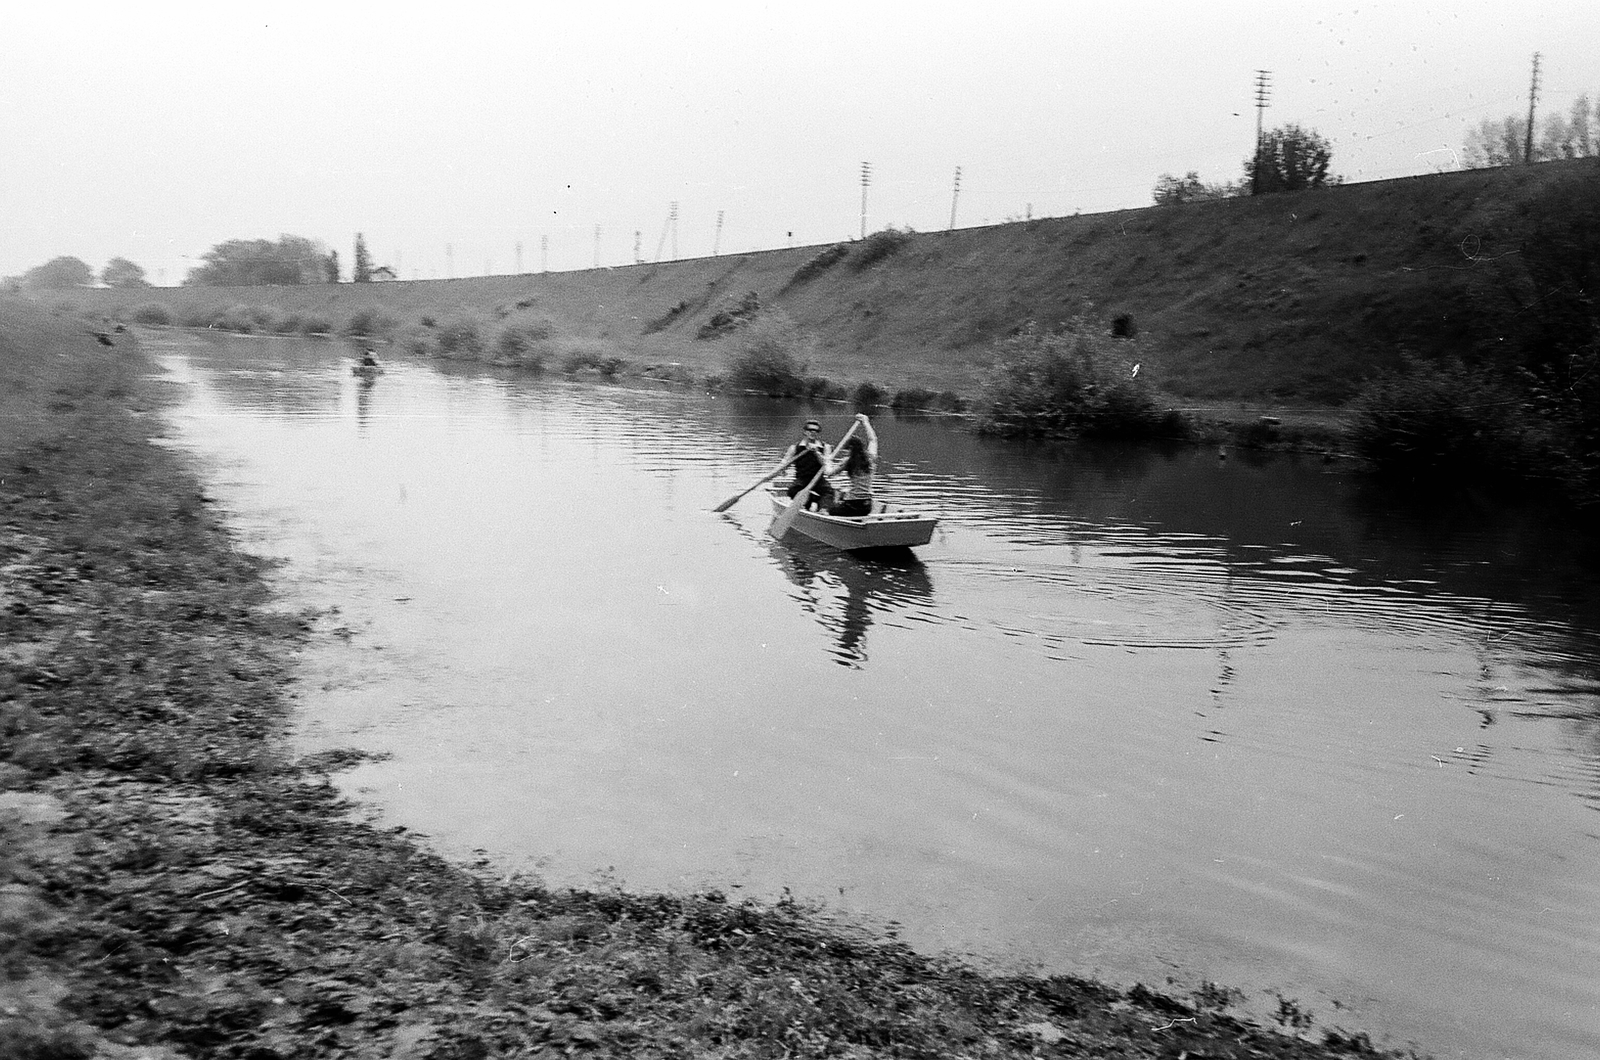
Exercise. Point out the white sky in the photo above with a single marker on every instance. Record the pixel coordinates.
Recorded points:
(154, 131)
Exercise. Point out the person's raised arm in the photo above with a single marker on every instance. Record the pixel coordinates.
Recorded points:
(871, 435)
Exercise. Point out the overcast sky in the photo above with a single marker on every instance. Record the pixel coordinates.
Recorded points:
(450, 133)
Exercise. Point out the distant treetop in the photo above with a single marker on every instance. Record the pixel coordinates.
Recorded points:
(1289, 158)
(58, 273)
(260, 262)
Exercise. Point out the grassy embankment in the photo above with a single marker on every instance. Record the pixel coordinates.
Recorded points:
(171, 884)
(1282, 304)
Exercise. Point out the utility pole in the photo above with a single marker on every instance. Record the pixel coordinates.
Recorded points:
(597, 246)
(519, 257)
(544, 253)
(954, 195)
(636, 256)
(1533, 97)
(450, 261)
(866, 179)
(1263, 95)
(716, 243)
(672, 219)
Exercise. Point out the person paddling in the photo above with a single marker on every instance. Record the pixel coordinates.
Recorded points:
(808, 455)
(857, 458)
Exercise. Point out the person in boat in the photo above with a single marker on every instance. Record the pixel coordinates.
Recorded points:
(369, 359)
(809, 454)
(857, 459)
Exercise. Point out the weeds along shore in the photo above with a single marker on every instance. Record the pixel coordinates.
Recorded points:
(174, 883)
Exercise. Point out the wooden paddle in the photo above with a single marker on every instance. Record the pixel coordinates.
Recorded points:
(737, 497)
(786, 518)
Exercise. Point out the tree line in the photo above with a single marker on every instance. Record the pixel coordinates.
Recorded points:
(1505, 141)
(1291, 158)
(1288, 158)
(288, 260)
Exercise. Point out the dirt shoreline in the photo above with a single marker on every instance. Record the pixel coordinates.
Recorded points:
(173, 884)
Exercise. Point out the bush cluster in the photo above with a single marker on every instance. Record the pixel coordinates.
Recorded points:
(731, 319)
(1538, 416)
(241, 318)
(921, 399)
(1438, 424)
(867, 396)
(521, 346)
(820, 263)
(880, 245)
(653, 326)
(770, 358)
(589, 361)
(1073, 380)
(370, 322)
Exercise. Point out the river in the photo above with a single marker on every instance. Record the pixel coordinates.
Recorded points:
(1170, 716)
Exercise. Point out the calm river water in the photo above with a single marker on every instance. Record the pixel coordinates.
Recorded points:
(1146, 715)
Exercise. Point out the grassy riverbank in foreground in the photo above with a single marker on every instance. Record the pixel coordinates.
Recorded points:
(172, 883)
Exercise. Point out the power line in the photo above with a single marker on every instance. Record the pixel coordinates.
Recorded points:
(866, 179)
(1533, 97)
(1263, 95)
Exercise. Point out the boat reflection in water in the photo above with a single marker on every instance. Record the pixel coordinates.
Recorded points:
(847, 591)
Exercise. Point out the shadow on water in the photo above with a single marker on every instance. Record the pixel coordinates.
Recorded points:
(846, 592)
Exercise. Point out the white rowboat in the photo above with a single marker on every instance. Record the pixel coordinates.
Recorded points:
(886, 527)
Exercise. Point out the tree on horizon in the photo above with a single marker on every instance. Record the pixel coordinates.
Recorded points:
(289, 261)
(1504, 141)
(58, 273)
(120, 272)
(1289, 158)
(361, 271)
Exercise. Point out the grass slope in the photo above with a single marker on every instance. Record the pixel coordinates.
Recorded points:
(1287, 299)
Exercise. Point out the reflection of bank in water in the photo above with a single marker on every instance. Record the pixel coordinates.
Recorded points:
(846, 592)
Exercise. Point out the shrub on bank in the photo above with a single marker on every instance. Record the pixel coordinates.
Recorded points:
(315, 325)
(243, 319)
(152, 313)
(1444, 423)
(867, 395)
(459, 338)
(914, 399)
(521, 346)
(819, 263)
(880, 245)
(579, 361)
(1073, 380)
(369, 322)
(770, 357)
(821, 388)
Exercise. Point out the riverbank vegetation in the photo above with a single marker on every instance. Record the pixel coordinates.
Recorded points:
(1520, 403)
(1071, 381)
(173, 882)
(1306, 306)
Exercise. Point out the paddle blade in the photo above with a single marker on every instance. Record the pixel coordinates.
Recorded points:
(785, 519)
(768, 477)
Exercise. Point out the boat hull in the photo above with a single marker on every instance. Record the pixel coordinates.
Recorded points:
(885, 528)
